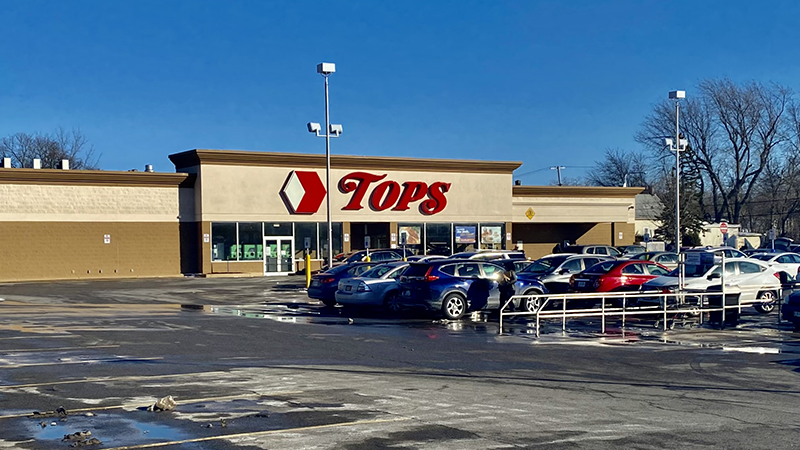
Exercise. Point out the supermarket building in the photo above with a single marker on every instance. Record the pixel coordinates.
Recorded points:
(252, 213)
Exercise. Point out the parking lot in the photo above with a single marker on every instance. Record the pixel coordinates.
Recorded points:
(253, 363)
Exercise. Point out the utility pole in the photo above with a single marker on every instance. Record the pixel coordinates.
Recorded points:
(558, 169)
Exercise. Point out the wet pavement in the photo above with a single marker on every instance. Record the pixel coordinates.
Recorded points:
(254, 364)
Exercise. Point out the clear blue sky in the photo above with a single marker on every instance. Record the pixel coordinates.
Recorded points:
(542, 82)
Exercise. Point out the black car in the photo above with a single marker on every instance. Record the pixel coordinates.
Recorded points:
(791, 309)
(323, 284)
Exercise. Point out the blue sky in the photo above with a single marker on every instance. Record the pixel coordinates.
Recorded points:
(542, 82)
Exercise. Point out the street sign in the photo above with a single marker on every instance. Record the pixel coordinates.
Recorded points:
(693, 259)
(723, 228)
(307, 243)
(366, 241)
(403, 238)
(772, 234)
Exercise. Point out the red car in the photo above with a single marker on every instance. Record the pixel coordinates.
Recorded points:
(616, 276)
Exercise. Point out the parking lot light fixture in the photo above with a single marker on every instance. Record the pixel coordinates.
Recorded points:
(331, 130)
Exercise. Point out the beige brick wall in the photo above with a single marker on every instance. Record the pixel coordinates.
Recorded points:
(59, 203)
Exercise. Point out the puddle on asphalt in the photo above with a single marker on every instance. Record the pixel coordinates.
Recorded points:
(111, 429)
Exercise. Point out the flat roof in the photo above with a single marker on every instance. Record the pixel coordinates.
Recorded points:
(198, 157)
(575, 191)
(95, 178)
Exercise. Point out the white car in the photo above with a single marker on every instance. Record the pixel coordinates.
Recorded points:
(781, 262)
(755, 279)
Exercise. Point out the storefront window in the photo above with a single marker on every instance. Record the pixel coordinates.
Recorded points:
(466, 237)
(492, 236)
(250, 240)
(277, 228)
(412, 235)
(223, 242)
(304, 230)
(438, 239)
(323, 238)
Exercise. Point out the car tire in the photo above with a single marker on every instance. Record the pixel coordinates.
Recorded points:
(329, 303)
(391, 304)
(529, 304)
(767, 304)
(454, 306)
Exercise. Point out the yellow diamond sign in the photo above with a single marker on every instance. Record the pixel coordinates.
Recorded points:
(529, 213)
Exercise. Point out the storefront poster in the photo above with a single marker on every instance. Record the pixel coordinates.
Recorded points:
(491, 235)
(413, 234)
(465, 234)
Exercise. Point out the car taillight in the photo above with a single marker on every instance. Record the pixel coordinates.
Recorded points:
(572, 280)
(429, 277)
(327, 280)
(362, 287)
(665, 290)
(777, 275)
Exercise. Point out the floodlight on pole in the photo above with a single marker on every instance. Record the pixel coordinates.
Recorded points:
(678, 145)
(331, 130)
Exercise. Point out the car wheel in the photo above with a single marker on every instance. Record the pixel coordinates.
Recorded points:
(329, 303)
(391, 303)
(531, 304)
(767, 304)
(454, 306)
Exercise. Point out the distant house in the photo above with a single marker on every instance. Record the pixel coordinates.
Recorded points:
(648, 208)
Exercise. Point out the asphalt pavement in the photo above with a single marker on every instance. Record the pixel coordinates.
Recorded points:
(252, 363)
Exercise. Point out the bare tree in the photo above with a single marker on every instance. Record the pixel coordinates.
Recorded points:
(619, 168)
(732, 132)
(51, 148)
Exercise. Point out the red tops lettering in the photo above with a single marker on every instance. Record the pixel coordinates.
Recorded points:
(391, 194)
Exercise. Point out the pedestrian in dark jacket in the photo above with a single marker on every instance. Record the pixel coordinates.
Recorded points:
(507, 282)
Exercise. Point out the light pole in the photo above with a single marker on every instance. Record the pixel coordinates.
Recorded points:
(677, 146)
(331, 130)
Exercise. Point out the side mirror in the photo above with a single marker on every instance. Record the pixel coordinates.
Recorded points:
(713, 276)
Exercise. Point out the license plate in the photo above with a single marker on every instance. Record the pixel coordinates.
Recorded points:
(581, 283)
(797, 313)
(347, 288)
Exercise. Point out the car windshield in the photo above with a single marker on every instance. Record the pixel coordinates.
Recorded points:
(545, 265)
(376, 272)
(633, 249)
(604, 267)
(417, 269)
(358, 256)
(337, 269)
(463, 255)
(692, 271)
(763, 257)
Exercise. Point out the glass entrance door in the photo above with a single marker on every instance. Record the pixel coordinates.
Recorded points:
(278, 253)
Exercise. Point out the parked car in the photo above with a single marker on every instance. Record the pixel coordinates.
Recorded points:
(614, 276)
(629, 250)
(729, 252)
(554, 271)
(423, 258)
(667, 259)
(324, 284)
(788, 263)
(490, 255)
(791, 309)
(603, 250)
(755, 279)
(454, 287)
(378, 255)
(375, 287)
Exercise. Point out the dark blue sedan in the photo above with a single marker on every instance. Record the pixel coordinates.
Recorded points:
(323, 285)
(457, 286)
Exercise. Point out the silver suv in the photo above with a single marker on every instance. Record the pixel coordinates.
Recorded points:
(604, 250)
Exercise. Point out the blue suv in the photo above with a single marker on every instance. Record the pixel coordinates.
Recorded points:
(457, 286)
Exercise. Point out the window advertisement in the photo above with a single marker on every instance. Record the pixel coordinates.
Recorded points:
(492, 236)
(250, 241)
(412, 233)
(465, 234)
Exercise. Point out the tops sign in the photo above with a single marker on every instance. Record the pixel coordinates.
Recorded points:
(303, 193)
(390, 194)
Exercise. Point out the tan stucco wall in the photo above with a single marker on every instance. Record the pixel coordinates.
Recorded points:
(573, 209)
(75, 250)
(63, 203)
(245, 193)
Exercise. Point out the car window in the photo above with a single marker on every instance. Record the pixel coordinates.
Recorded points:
(449, 269)
(468, 270)
(633, 269)
(655, 270)
(491, 270)
(487, 256)
(614, 252)
(358, 270)
(785, 259)
(604, 267)
(590, 250)
(572, 266)
(600, 251)
(748, 267)
(667, 259)
(589, 262)
(397, 273)
(545, 265)
(376, 272)
(795, 259)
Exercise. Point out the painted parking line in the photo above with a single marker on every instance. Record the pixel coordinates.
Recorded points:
(83, 361)
(54, 349)
(260, 433)
(107, 379)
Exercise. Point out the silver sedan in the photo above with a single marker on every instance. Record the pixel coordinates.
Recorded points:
(374, 287)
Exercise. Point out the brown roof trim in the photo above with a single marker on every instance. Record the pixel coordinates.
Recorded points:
(575, 191)
(94, 178)
(299, 160)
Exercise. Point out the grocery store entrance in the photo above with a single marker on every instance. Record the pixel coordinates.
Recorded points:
(378, 234)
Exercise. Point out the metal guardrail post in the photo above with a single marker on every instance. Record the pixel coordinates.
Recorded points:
(603, 309)
(624, 297)
(564, 314)
(665, 310)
